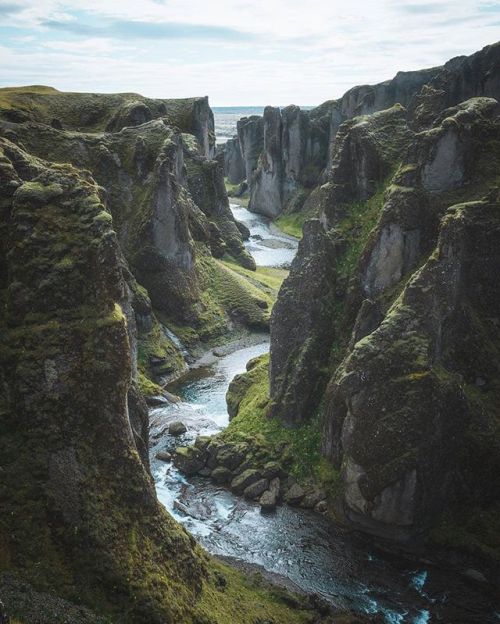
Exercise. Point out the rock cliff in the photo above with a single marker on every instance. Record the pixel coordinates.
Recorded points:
(383, 335)
(298, 152)
(167, 199)
(83, 537)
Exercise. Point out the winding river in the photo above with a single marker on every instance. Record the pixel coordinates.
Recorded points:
(344, 568)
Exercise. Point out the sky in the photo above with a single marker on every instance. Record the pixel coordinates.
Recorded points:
(237, 52)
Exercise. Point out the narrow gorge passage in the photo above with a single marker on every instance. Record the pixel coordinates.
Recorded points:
(295, 544)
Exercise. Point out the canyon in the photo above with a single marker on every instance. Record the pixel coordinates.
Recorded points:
(369, 404)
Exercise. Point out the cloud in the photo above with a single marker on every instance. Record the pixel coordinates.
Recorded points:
(8, 8)
(422, 9)
(128, 29)
(236, 51)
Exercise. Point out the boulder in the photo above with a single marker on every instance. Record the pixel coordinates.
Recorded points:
(321, 507)
(269, 498)
(164, 456)
(272, 469)
(221, 475)
(312, 498)
(232, 456)
(189, 460)
(256, 489)
(177, 428)
(295, 494)
(246, 478)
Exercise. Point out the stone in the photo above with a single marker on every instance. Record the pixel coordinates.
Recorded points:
(294, 495)
(221, 475)
(272, 469)
(189, 460)
(164, 456)
(202, 442)
(177, 428)
(312, 498)
(253, 491)
(246, 478)
(270, 497)
(268, 501)
(231, 456)
(321, 507)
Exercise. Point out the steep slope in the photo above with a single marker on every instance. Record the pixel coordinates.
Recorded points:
(167, 200)
(384, 334)
(82, 535)
(289, 152)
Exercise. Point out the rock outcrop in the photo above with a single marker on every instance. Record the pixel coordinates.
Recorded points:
(167, 199)
(251, 139)
(418, 387)
(234, 165)
(380, 332)
(76, 518)
(83, 537)
(267, 182)
(302, 327)
(299, 150)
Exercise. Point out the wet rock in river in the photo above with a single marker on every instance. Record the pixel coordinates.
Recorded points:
(177, 428)
(295, 494)
(164, 456)
(189, 460)
(256, 489)
(269, 498)
(242, 481)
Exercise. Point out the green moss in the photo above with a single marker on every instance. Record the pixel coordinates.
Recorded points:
(231, 189)
(291, 224)
(155, 346)
(355, 228)
(247, 599)
(267, 279)
(303, 443)
(147, 386)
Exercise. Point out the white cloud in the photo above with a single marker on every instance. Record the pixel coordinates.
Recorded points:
(301, 52)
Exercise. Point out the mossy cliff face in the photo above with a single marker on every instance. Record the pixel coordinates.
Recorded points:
(205, 180)
(97, 112)
(422, 387)
(379, 333)
(77, 518)
(151, 172)
(82, 535)
(307, 326)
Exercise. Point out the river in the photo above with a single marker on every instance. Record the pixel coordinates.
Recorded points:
(345, 568)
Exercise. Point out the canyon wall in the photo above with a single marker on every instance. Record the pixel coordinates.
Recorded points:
(105, 230)
(386, 325)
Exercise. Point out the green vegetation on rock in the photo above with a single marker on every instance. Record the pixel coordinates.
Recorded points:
(298, 447)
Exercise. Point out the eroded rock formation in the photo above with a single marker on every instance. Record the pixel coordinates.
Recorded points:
(380, 327)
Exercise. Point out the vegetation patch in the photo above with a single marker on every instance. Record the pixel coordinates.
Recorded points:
(291, 224)
(298, 448)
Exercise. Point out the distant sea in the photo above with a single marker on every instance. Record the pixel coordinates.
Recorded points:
(226, 117)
